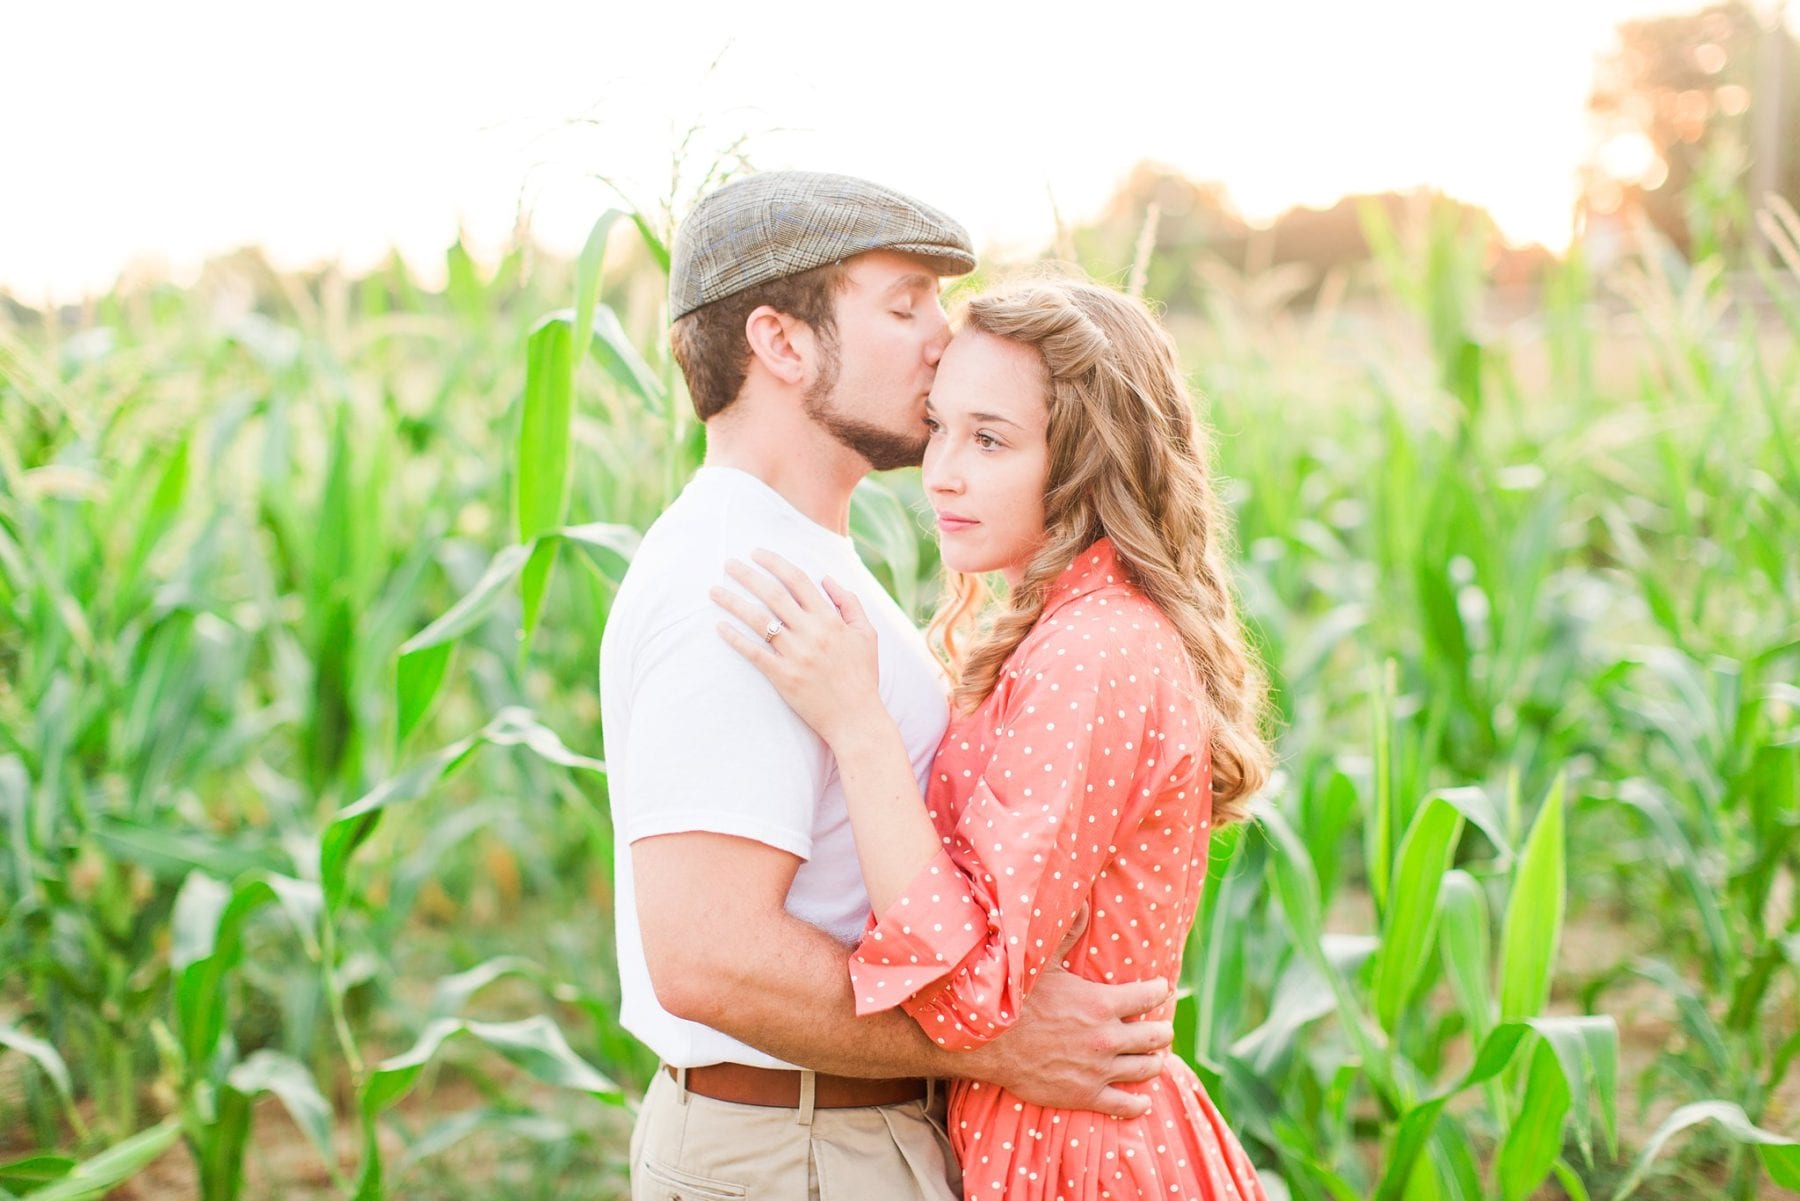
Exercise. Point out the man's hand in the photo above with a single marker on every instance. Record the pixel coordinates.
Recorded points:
(1076, 1040)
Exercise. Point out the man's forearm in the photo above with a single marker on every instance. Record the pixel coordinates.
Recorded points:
(792, 1000)
(722, 950)
(799, 1009)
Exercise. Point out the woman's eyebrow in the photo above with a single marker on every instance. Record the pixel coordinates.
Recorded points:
(987, 417)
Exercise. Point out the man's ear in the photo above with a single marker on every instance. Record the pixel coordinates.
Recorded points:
(782, 344)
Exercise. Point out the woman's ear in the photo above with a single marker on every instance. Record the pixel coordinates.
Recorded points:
(782, 344)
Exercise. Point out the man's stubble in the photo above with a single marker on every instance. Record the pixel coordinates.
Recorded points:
(884, 449)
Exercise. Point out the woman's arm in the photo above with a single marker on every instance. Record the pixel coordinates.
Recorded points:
(966, 924)
(1045, 814)
(895, 839)
(824, 662)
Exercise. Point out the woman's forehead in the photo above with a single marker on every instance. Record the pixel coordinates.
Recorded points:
(978, 355)
(990, 380)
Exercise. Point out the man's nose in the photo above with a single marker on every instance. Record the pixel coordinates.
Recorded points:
(940, 338)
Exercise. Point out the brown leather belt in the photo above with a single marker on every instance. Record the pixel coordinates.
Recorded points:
(779, 1088)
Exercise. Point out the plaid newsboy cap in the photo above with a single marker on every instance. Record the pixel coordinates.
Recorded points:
(774, 224)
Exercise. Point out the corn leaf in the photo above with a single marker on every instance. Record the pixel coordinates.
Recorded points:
(1410, 923)
(1780, 1153)
(292, 1083)
(534, 1044)
(542, 473)
(1534, 914)
(1535, 1138)
(425, 656)
(94, 1178)
(1464, 938)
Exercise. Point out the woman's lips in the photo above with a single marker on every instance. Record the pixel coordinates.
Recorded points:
(950, 523)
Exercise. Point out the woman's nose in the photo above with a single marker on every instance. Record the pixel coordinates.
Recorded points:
(938, 474)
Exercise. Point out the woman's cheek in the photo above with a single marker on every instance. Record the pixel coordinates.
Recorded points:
(1027, 493)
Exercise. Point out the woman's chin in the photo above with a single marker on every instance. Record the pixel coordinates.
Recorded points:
(967, 564)
(963, 562)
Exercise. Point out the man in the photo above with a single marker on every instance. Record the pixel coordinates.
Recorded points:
(808, 326)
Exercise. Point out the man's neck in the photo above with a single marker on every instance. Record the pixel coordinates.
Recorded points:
(811, 470)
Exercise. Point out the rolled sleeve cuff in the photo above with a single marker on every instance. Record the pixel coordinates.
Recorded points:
(922, 937)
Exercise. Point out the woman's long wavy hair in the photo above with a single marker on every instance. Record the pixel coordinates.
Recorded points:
(1128, 460)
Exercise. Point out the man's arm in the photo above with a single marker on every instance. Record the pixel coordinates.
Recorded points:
(722, 950)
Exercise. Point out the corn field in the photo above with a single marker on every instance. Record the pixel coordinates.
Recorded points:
(304, 850)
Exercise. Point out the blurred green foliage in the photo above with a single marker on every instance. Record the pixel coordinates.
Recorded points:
(302, 791)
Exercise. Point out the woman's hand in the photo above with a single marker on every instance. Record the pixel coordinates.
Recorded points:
(822, 654)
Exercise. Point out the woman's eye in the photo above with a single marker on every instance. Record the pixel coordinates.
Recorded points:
(987, 441)
(903, 314)
(931, 425)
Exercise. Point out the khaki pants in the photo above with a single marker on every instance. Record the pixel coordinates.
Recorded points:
(686, 1147)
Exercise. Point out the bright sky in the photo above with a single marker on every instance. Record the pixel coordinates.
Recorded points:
(336, 128)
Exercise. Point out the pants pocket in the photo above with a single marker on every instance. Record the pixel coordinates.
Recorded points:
(655, 1181)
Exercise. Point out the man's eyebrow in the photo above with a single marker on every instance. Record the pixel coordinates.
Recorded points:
(908, 283)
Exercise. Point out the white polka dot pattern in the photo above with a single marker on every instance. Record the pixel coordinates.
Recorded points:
(1084, 780)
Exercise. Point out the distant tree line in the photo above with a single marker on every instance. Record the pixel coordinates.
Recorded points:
(1191, 222)
(1694, 115)
(1679, 144)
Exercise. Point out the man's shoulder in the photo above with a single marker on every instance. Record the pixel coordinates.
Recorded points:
(683, 555)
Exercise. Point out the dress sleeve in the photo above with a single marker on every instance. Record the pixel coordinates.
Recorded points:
(962, 945)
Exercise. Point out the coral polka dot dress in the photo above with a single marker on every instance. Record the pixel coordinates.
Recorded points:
(1083, 780)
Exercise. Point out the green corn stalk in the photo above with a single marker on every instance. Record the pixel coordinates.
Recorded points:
(220, 523)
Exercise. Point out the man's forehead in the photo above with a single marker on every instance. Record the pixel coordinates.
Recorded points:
(891, 271)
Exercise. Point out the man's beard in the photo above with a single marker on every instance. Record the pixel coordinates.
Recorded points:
(884, 449)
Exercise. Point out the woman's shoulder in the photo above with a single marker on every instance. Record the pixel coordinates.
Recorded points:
(1116, 615)
(1100, 637)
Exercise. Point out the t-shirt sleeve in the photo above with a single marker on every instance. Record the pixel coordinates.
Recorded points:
(712, 745)
(959, 949)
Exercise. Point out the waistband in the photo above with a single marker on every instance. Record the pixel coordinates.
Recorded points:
(790, 1088)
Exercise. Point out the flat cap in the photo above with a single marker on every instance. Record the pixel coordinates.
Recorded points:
(774, 224)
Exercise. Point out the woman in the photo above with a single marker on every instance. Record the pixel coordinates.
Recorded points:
(1104, 721)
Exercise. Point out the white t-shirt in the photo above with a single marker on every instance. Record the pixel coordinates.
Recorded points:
(697, 739)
